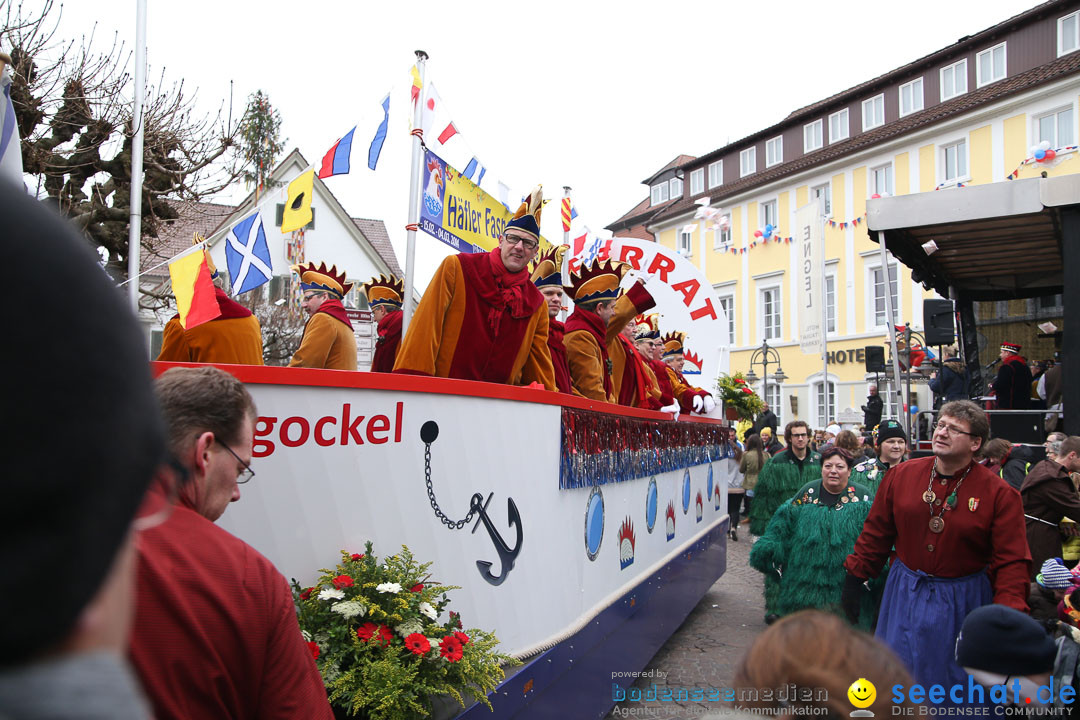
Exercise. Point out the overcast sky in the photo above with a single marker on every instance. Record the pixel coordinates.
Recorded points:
(594, 95)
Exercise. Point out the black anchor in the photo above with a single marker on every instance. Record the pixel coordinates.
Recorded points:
(506, 554)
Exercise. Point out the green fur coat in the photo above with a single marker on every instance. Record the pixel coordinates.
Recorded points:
(778, 482)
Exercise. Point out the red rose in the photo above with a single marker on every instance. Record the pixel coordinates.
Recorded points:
(343, 581)
(748, 391)
(306, 593)
(314, 648)
(739, 381)
(356, 556)
(366, 631)
(417, 644)
(450, 648)
(417, 587)
(462, 637)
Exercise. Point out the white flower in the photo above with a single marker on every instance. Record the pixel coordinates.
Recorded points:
(434, 642)
(410, 626)
(349, 608)
(307, 635)
(428, 610)
(389, 588)
(331, 594)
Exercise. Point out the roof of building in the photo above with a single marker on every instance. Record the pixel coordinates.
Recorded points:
(1043, 74)
(375, 232)
(176, 235)
(677, 162)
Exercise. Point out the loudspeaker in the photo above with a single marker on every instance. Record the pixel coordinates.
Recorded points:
(875, 358)
(938, 321)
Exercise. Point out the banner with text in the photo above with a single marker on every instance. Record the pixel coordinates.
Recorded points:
(810, 246)
(454, 209)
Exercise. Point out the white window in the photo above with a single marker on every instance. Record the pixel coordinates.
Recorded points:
(990, 65)
(685, 243)
(823, 191)
(873, 112)
(659, 193)
(769, 306)
(911, 97)
(676, 188)
(1056, 128)
(954, 80)
(716, 173)
(954, 161)
(774, 151)
(768, 213)
(881, 180)
(697, 181)
(771, 395)
(1068, 33)
(727, 303)
(747, 162)
(825, 394)
(877, 282)
(830, 300)
(839, 127)
(722, 238)
(813, 137)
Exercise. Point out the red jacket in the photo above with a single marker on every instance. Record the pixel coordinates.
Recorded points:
(386, 346)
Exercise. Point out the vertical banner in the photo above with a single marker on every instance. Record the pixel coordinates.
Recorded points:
(810, 246)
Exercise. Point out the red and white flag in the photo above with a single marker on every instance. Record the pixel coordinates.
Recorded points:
(435, 120)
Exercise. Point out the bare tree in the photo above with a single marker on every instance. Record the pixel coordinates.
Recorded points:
(74, 113)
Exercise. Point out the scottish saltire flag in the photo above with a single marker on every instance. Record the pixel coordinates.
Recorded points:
(336, 161)
(10, 147)
(248, 255)
(380, 135)
(471, 169)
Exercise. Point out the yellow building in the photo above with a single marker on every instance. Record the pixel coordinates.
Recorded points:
(968, 114)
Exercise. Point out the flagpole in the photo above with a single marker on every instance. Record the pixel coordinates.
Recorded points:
(135, 220)
(414, 196)
(566, 227)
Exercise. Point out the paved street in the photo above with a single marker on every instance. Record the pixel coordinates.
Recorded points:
(705, 651)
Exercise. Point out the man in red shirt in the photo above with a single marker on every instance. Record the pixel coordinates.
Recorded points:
(959, 535)
(215, 633)
(384, 295)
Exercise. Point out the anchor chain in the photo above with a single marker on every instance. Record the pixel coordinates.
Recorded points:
(452, 524)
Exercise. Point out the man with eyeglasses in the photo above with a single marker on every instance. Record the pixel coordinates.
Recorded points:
(481, 318)
(647, 341)
(328, 341)
(958, 532)
(216, 634)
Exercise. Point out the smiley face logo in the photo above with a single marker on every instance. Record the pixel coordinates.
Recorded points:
(862, 693)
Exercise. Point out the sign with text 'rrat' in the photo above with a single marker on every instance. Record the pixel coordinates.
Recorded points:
(810, 293)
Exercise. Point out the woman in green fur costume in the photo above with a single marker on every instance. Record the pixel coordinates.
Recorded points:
(784, 473)
(891, 443)
(808, 538)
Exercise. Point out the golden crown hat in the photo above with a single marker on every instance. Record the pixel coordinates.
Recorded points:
(385, 290)
(547, 271)
(648, 327)
(319, 278)
(598, 281)
(206, 254)
(673, 343)
(527, 217)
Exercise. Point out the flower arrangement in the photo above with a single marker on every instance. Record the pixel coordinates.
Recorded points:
(738, 395)
(373, 628)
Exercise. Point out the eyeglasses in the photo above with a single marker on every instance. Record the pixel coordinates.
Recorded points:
(247, 473)
(948, 429)
(798, 435)
(526, 243)
(159, 501)
(310, 296)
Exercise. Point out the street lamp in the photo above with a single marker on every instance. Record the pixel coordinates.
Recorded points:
(765, 356)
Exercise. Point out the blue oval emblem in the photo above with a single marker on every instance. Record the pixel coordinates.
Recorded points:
(650, 505)
(686, 492)
(708, 485)
(594, 523)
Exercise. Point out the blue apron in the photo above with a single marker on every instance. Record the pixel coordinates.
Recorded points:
(920, 619)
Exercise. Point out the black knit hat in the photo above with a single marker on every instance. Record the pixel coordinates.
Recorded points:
(999, 639)
(85, 433)
(888, 429)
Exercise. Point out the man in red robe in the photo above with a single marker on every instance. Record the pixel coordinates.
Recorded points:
(633, 381)
(481, 318)
(690, 398)
(384, 295)
(547, 277)
(595, 290)
(647, 341)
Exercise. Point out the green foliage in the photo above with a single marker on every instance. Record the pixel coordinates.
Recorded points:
(737, 394)
(260, 139)
(375, 672)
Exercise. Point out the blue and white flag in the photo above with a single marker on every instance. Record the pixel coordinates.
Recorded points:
(10, 147)
(472, 167)
(248, 255)
(375, 149)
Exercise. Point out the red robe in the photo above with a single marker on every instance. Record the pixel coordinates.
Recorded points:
(984, 531)
(556, 330)
(634, 390)
(215, 633)
(587, 355)
(659, 368)
(387, 344)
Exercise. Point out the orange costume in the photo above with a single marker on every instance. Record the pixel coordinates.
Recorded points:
(386, 292)
(479, 321)
(548, 273)
(233, 338)
(684, 392)
(630, 376)
(587, 335)
(328, 340)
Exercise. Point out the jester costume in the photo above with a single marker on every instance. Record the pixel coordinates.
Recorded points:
(387, 293)
(633, 382)
(328, 340)
(804, 548)
(587, 336)
(682, 390)
(547, 273)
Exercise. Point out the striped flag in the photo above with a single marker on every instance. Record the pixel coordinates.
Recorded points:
(472, 168)
(336, 160)
(567, 214)
(196, 300)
